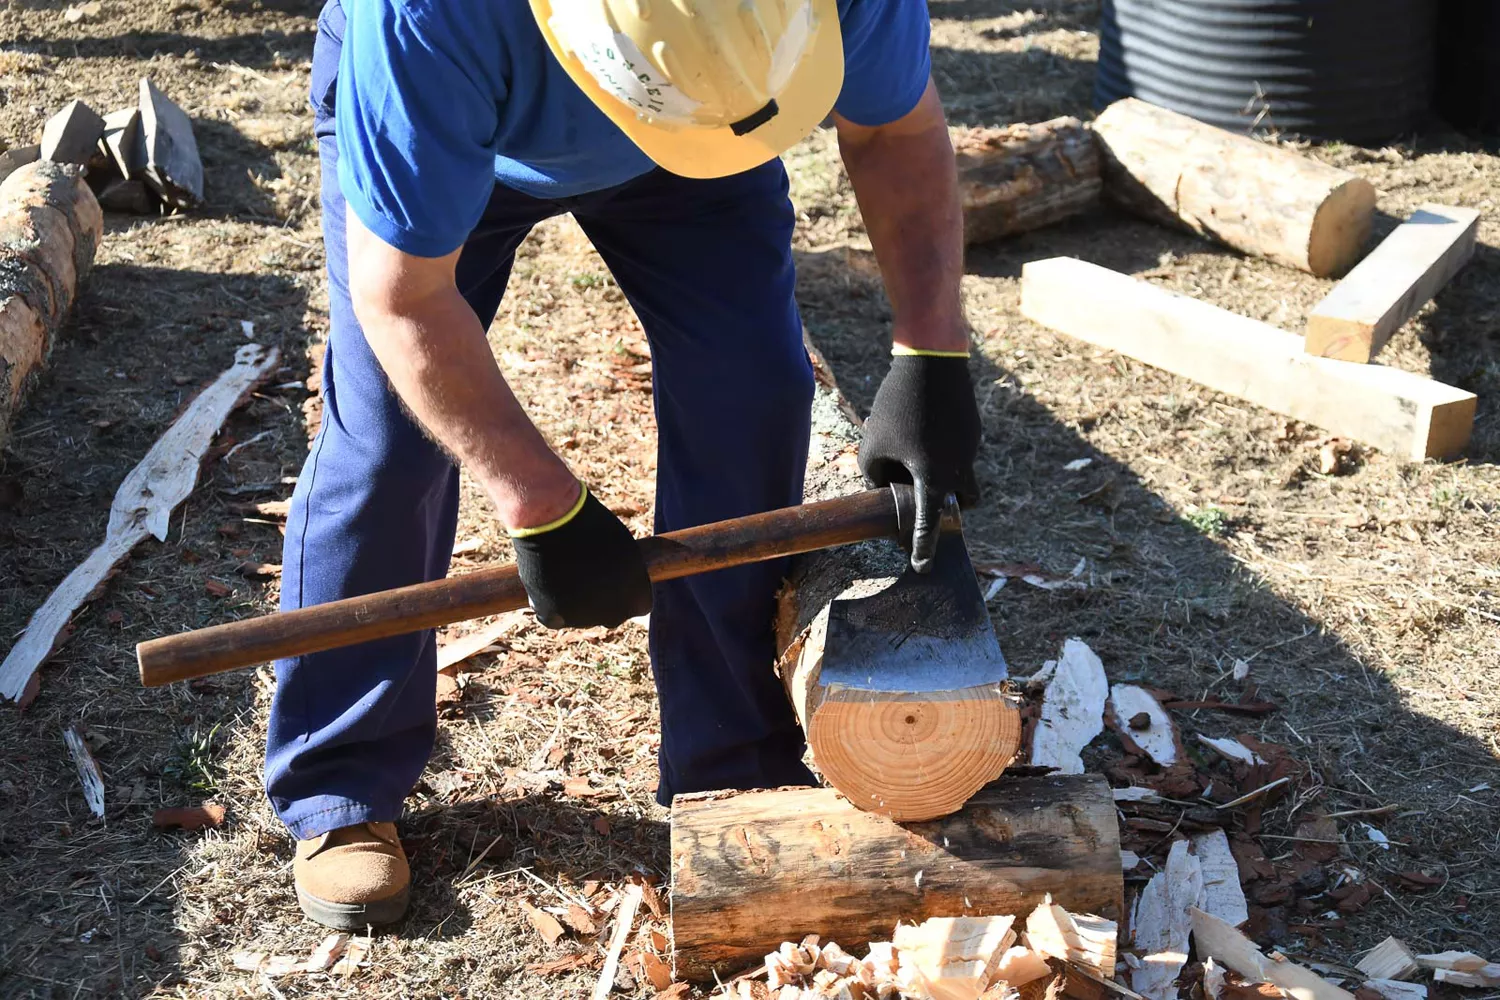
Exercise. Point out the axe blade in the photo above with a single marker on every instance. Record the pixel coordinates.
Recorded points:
(923, 632)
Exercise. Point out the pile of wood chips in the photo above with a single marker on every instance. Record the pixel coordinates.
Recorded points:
(945, 958)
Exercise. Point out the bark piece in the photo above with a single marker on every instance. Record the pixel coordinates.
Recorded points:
(891, 744)
(1157, 737)
(1022, 177)
(1390, 959)
(1247, 194)
(209, 814)
(50, 226)
(123, 142)
(72, 135)
(1161, 923)
(1072, 709)
(142, 506)
(452, 653)
(173, 169)
(772, 864)
(1390, 286)
(1213, 938)
(1081, 939)
(89, 775)
(1407, 415)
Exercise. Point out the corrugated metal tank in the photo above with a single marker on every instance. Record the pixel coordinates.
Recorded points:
(1355, 70)
(1468, 65)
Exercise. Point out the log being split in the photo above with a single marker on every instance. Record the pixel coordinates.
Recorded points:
(753, 869)
(50, 225)
(892, 744)
(1247, 194)
(1022, 177)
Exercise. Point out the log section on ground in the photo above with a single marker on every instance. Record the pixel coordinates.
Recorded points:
(1395, 411)
(50, 225)
(1390, 285)
(893, 744)
(1247, 194)
(752, 869)
(1023, 177)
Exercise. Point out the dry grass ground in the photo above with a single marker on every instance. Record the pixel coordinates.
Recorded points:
(1366, 603)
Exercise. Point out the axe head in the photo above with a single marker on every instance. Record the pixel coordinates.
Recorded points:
(921, 632)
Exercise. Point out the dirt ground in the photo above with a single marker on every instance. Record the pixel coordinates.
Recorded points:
(1366, 603)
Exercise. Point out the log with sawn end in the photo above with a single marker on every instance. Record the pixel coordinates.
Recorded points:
(1022, 177)
(753, 869)
(911, 734)
(1247, 194)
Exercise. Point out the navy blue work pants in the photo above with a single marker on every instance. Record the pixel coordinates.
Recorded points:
(707, 266)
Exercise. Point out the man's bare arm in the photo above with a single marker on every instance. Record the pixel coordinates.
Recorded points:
(433, 350)
(907, 187)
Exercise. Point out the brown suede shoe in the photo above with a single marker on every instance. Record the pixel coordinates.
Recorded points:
(353, 877)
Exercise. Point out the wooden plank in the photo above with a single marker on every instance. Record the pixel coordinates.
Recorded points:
(1213, 938)
(1398, 412)
(1387, 288)
(142, 506)
(753, 869)
(1254, 196)
(1072, 709)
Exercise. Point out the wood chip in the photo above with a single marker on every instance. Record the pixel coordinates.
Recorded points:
(1390, 959)
(89, 774)
(624, 921)
(1231, 750)
(142, 506)
(1161, 923)
(1213, 938)
(326, 953)
(353, 958)
(544, 923)
(658, 973)
(1221, 894)
(1080, 938)
(1394, 989)
(207, 815)
(1072, 709)
(580, 920)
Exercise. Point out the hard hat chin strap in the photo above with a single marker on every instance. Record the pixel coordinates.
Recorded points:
(754, 121)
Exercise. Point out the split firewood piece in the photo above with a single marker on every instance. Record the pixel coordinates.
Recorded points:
(1396, 411)
(1144, 722)
(1072, 709)
(1461, 961)
(1390, 959)
(1161, 923)
(624, 920)
(173, 169)
(898, 738)
(123, 142)
(954, 957)
(1394, 989)
(1021, 177)
(88, 770)
(1081, 938)
(72, 135)
(50, 226)
(1231, 750)
(1222, 894)
(1483, 978)
(1392, 284)
(1213, 938)
(1250, 195)
(142, 506)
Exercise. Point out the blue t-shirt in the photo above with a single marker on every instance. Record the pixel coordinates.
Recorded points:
(438, 99)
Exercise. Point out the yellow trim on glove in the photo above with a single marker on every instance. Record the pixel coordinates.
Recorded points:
(583, 495)
(902, 351)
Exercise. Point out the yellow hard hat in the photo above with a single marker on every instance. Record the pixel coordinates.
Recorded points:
(706, 88)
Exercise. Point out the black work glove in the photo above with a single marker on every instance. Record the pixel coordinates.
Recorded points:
(584, 571)
(923, 429)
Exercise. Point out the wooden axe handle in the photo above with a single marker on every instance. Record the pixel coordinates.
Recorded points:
(855, 518)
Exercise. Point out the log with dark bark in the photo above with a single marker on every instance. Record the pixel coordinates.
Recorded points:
(1250, 195)
(1022, 177)
(50, 225)
(753, 869)
(891, 746)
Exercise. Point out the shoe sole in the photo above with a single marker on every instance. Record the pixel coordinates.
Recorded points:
(355, 916)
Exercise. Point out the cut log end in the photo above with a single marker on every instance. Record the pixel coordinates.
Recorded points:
(910, 757)
(1341, 228)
